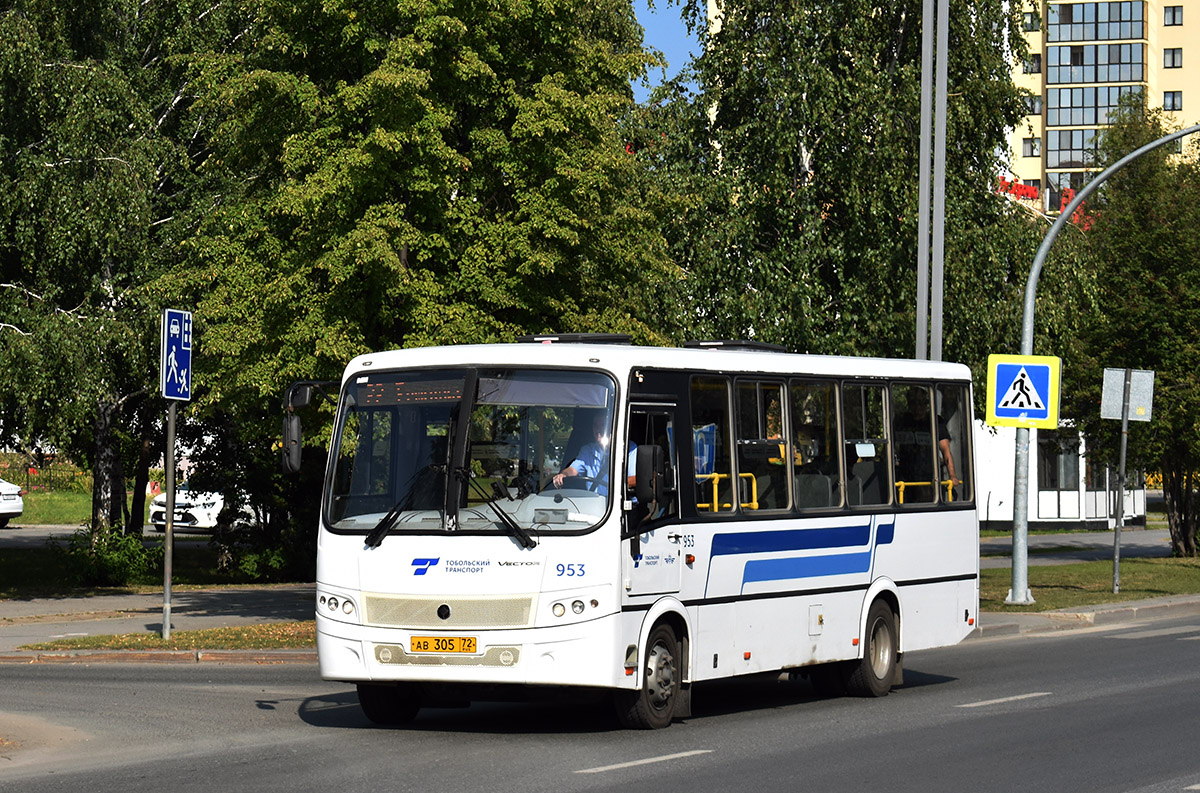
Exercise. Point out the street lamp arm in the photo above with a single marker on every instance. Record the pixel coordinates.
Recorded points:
(1044, 249)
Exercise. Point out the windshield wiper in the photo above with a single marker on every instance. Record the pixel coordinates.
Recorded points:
(375, 536)
(514, 528)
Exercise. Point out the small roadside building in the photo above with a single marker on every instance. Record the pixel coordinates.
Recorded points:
(1066, 489)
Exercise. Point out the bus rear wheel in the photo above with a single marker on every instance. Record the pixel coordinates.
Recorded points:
(389, 706)
(652, 706)
(872, 676)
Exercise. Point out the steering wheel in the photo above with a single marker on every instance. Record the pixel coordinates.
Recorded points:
(549, 484)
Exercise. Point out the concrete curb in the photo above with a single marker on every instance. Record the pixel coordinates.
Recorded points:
(257, 657)
(1006, 623)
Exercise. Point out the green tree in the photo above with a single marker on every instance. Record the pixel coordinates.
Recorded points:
(440, 171)
(1144, 249)
(794, 175)
(96, 178)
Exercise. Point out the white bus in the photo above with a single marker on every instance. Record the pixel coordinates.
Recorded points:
(733, 510)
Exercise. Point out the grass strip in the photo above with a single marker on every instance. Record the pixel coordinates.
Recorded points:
(1067, 586)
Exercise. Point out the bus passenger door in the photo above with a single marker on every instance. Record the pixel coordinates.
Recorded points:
(654, 555)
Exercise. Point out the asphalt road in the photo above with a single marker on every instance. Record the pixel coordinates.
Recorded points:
(1095, 710)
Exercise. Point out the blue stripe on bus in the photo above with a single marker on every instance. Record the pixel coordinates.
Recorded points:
(790, 540)
(805, 567)
(885, 533)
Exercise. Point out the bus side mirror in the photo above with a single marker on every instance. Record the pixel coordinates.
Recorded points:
(650, 475)
(291, 443)
(300, 395)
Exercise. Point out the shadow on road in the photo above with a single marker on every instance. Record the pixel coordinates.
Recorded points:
(577, 714)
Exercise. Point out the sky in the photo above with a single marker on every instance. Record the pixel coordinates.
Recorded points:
(664, 31)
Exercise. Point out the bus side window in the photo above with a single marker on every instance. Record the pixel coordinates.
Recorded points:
(762, 460)
(655, 429)
(913, 442)
(817, 481)
(954, 411)
(712, 463)
(868, 477)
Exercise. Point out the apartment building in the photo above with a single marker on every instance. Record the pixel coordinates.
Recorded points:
(1083, 58)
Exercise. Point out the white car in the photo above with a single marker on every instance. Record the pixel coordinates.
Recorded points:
(11, 503)
(193, 510)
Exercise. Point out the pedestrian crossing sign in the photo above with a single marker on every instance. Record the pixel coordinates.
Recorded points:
(1023, 391)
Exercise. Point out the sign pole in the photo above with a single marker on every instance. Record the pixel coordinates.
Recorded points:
(175, 382)
(1023, 392)
(169, 539)
(1020, 593)
(1120, 523)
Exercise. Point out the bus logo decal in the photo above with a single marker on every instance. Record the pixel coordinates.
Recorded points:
(422, 565)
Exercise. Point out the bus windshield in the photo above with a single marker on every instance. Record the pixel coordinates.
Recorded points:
(450, 449)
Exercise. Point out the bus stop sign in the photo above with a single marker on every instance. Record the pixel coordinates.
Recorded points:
(1023, 391)
(175, 374)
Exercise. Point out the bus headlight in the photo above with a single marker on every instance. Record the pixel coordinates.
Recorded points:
(333, 604)
(577, 606)
(559, 609)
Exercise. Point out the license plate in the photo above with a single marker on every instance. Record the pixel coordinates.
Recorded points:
(442, 644)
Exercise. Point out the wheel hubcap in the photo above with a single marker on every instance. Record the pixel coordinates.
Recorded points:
(881, 649)
(660, 676)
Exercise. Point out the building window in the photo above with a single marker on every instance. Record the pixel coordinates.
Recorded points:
(1031, 147)
(1070, 148)
(1033, 105)
(1084, 106)
(1095, 21)
(1036, 184)
(1173, 58)
(1172, 100)
(1172, 16)
(1058, 460)
(1034, 64)
(1096, 63)
(1030, 22)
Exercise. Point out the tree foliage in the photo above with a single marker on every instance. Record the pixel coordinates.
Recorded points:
(421, 173)
(1144, 250)
(95, 169)
(793, 172)
(430, 172)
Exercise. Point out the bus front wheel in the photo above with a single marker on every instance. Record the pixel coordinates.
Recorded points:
(872, 676)
(652, 706)
(389, 706)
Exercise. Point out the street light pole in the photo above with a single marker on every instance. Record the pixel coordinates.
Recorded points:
(1020, 594)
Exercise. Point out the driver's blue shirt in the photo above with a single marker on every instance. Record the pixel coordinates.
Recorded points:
(592, 462)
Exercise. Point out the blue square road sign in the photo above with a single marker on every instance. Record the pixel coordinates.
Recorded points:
(175, 377)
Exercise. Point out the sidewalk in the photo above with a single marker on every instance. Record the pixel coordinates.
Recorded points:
(30, 621)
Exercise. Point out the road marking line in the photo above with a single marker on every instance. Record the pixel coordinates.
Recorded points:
(647, 761)
(1005, 699)
(1160, 632)
(1192, 787)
